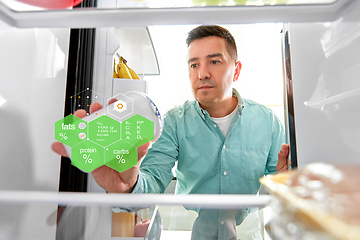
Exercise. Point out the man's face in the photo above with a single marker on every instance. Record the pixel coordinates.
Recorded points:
(211, 70)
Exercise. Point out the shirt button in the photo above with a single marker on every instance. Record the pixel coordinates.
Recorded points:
(225, 173)
(215, 125)
(224, 147)
(222, 222)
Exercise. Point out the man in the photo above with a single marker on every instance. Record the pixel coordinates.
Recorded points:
(223, 144)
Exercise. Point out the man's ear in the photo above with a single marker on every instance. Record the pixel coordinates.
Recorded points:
(238, 66)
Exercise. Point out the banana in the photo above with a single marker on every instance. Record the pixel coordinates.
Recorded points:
(132, 72)
(115, 75)
(122, 70)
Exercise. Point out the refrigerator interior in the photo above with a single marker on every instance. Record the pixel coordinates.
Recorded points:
(324, 74)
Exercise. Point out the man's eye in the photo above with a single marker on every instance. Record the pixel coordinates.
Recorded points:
(215, 62)
(194, 65)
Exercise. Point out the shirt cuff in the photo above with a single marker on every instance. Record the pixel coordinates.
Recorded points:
(139, 188)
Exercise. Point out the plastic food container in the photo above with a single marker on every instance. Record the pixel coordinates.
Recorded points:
(319, 201)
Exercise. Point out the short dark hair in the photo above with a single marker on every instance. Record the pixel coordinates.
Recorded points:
(217, 31)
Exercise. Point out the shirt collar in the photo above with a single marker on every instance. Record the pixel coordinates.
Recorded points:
(241, 103)
(235, 93)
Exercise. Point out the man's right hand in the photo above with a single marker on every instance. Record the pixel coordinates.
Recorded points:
(107, 178)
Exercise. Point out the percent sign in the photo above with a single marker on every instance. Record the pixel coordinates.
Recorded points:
(63, 136)
(120, 158)
(87, 158)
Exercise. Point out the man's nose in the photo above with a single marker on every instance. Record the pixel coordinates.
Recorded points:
(203, 73)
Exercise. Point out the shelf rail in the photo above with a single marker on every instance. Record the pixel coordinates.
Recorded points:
(140, 17)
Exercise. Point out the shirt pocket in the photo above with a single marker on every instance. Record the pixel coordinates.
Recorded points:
(253, 160)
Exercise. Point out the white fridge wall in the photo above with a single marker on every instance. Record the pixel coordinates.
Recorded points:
(325, 60)
(32, 86)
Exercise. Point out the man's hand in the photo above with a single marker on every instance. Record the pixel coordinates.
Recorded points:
(283, 158)
(109, 179)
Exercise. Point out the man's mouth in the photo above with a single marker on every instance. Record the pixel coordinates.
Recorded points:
(204, 87)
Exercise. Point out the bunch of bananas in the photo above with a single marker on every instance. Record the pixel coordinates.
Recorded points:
(121, 70)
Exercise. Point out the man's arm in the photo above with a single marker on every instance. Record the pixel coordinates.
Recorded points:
(279, 151)
(156, 168)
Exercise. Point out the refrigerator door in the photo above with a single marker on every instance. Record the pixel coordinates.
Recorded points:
(325, 63)
(32, 84)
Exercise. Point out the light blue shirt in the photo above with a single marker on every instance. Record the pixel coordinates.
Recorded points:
(209, 162)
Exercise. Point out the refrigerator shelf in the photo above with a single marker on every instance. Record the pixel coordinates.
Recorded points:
(227, 201)
(108, 16)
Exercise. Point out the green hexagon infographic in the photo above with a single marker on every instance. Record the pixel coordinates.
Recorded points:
(104, 140)
(71, 130)
(137, 130)
(104, 130)
(87, 156)
(121, 156)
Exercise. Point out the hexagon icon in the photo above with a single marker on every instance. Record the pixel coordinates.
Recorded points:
(104, 130)
(71, 130)
(83, 100)
(121, 156)
(87, 156)
(120, 106)
(137, 130)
